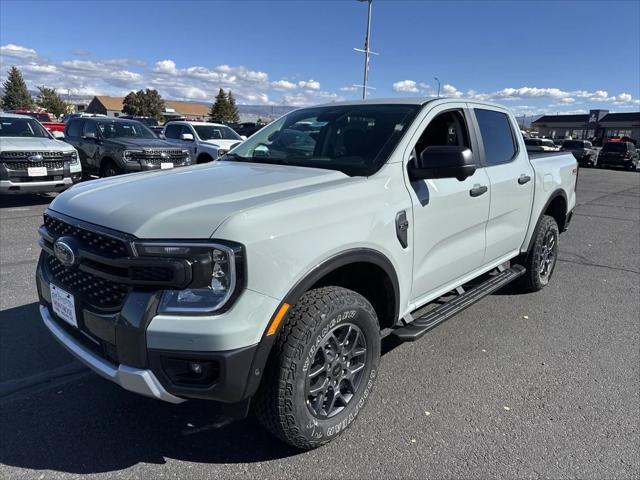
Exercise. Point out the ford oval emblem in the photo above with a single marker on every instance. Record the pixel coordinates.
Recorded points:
(64, 252)
(35, 158)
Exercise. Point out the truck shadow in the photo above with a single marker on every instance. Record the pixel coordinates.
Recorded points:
(12, 201)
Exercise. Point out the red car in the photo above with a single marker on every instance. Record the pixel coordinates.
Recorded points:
(44, 118)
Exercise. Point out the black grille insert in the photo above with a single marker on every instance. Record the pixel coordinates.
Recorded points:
(104, 244)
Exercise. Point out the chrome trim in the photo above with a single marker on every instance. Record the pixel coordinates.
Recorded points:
(135, 380)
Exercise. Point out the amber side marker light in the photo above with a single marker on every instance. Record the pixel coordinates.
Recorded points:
(273, 328)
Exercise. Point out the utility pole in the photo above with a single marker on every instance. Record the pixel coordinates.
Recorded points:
(436, 79)
(366, 51)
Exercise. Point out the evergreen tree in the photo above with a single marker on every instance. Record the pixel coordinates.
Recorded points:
(131, 104)
(143, 103)
(234, 115)
(51, 102)
(219, 108)
(16, 95)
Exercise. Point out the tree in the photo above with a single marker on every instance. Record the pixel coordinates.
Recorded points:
(219, 108)
(16, 95)
(233, 115)
(143, 103)
(51, 102)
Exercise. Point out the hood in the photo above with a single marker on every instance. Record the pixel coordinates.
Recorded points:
(187, 202)
(139, 142)
(220, 143)
(13, 144)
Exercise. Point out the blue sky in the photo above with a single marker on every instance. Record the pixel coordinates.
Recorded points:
(565, 56)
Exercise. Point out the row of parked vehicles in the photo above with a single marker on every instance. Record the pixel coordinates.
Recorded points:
(613, 153)
(34, 160)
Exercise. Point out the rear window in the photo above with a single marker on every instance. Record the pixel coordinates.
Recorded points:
(535, 142)
(497, 136)
(573, 144)
(615, 147)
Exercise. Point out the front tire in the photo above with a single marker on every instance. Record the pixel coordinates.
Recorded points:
(324, 365)
(110, 169)
(541, 259)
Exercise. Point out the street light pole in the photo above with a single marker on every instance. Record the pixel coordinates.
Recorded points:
(436, 79)
(367, 52)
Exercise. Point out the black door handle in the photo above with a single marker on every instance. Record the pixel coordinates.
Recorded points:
(524, 179)
(477, 191)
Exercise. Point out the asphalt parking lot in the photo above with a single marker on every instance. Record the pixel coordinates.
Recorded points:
(539, 385)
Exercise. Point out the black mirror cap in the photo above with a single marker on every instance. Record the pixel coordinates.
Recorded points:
(443, 161)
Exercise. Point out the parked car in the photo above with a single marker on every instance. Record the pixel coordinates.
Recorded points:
(112, 146)
(624, 154)
(68, 116)
(32, 160)
(268, 275)
(248, 128)
(205, 141)
(540, 145)
(148, 121)
(47, 120)
(158, 130)
(583, 151)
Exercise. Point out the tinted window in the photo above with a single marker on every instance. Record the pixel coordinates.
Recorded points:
(74, 128)
(90, 127)
(533, 141)
(21, 127)
(447, 128)
(573, 144)
(614, 147)
(354, 139)
(497, 136)
(213, 132)
(172, 131)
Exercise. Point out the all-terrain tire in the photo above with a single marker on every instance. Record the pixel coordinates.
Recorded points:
(541, 259)
(109, 168)
(282, 403)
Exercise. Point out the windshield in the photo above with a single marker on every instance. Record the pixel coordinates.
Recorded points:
(615, 147)
(573, 144)
(215, 132)
(118, 129)
(21, 127)
(354, 139)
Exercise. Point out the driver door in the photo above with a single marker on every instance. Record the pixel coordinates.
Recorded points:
(449, 215)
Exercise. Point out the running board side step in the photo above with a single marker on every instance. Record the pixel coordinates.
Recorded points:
(416, 329)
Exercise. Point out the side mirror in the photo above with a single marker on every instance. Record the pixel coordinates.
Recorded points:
(243, 137)
(187, 137)
(57, 135)
(90, 136)
(443, 161)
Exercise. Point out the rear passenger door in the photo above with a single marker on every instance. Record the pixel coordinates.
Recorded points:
(512, 182)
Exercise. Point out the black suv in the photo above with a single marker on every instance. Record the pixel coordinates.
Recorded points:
(582, 150)
(622, 154)
(111, 146)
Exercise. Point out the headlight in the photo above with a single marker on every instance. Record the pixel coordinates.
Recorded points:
(128, 155)
(214, 288)
(74, 158)
(187, 155)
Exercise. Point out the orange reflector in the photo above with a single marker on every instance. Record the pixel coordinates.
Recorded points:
(277, 319)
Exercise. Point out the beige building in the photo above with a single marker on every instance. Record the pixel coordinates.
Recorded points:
(112, 107)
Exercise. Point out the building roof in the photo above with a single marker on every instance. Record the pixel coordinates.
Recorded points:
(582, 118)
(181, 108)
(621, 117)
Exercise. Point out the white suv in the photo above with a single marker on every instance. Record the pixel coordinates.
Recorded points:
(205, 141)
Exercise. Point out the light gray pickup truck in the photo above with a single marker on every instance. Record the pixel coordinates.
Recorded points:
(267, 277)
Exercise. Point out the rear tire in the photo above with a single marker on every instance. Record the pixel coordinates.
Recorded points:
(322, 370)
(541, 259)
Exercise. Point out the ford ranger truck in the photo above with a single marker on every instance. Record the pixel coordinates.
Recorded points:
(265, 278)
(32, 160)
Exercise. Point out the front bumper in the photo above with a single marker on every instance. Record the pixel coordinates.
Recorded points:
(136, 348)
(142, 381)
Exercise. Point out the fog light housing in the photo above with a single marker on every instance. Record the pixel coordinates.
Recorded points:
(190, 372)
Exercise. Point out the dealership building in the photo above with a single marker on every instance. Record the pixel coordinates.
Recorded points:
(596, 124)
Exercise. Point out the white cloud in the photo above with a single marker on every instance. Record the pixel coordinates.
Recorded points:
(283, 85)
(165, 66)
(309, 84)
(451, 91)
(349, 88)
(17, 51)
(405, 86)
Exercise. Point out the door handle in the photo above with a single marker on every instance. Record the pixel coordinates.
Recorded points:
(524, 179)
(478, 190)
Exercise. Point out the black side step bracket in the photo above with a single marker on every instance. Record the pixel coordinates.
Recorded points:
(416, 329)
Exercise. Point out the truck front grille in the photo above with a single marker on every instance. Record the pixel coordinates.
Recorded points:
(46, 155)
(96, 290)
(96, 241)
(158, 156)
(21, 165)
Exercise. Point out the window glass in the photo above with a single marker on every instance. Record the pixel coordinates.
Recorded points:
(497, 136)
(354, 139)
(90, 127)
(447, 128)
(74, 128)
(213, 132)
(172, 131)
(21, 127)
(124, 129)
